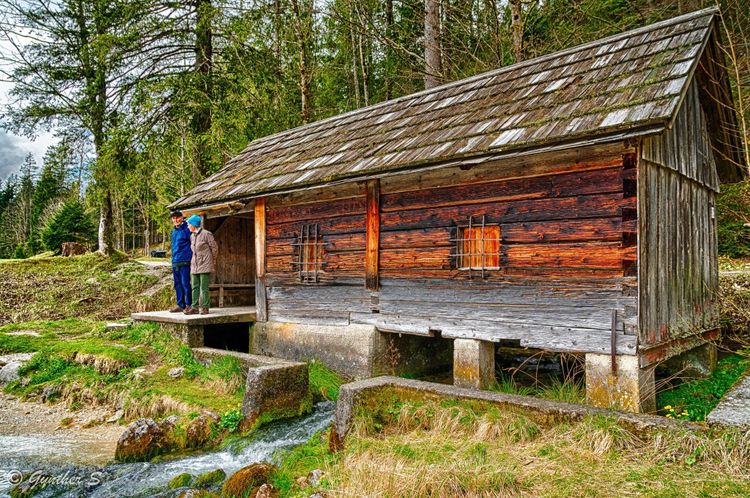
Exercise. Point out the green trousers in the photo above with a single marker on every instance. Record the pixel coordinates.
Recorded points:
(201, 297)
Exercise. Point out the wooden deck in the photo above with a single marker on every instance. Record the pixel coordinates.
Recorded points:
(236, 314)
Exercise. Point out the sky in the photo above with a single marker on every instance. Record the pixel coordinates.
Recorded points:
(13, 149)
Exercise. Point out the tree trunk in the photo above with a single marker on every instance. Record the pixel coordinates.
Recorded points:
(355, 72)
(388, 49)
(106, 226)
(303, 32)
(432, 54)
(516, 22)
(201, 122)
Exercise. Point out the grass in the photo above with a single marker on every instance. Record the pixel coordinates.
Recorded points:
(568, 391)
(324, 382)
(86, 364)
(695, 399)
(447, 448)
(300, 462)
(89, 286)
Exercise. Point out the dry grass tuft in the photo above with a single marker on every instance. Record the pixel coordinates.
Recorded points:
(155, 407)
(426, 449)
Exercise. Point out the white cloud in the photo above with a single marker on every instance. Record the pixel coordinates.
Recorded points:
(13, 151)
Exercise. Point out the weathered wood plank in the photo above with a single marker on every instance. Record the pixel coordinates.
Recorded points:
(328, 226)
(590, 206)
(574, 159)
(599, 229)
(314, 212)
(557, 185)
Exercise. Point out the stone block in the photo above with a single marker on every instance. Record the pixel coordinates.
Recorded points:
(279, 390)
(473, 363)
(628, 387)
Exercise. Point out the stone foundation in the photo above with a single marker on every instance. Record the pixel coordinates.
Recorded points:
(628, 387)
(697, 363)
(356, 351)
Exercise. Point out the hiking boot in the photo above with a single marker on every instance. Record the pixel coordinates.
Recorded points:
(191, 311)
(204, 311)
(176, 309)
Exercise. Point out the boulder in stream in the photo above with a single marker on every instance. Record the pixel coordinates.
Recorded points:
(143, 440)
(181, 481)
(245, 480)
(210, 479)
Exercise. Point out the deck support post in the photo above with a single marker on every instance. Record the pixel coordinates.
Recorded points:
(629, 387)
(473, 363)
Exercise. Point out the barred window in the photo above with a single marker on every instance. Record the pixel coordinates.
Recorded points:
(477, 246)
(308, 252)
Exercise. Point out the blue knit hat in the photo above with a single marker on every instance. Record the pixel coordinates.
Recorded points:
(195, 220)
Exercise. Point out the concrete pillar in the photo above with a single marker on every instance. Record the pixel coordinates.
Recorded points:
(473, 363)
(698, 363)
(629, 387)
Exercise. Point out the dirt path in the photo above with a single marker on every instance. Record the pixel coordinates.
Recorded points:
(34, 431)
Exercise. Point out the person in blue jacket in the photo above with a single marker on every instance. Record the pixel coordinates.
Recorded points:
(181, 256)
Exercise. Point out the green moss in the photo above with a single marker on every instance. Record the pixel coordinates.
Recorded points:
(273, 414)
(694, 400)
(181, 481)
(324, 382)
(210, 479)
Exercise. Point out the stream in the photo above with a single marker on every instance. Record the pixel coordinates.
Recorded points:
(150, 478)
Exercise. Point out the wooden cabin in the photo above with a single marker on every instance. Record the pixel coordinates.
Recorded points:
(565, 203)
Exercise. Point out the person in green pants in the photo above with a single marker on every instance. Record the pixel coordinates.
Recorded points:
(202, 265)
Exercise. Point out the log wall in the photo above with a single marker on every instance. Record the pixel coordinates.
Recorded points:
(567, 252)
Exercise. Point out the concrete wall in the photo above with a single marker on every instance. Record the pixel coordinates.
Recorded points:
(356, 351)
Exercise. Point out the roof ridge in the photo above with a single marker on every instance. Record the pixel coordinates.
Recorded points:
(713, 10)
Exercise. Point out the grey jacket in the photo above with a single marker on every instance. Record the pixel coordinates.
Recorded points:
(205, 250)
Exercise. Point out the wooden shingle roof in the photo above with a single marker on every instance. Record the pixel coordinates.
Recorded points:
(631, 81)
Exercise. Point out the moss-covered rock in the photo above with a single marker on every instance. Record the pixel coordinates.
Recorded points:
(181, 481)
(208, 479)
(200, 431)
(242, 483)
(143, 440)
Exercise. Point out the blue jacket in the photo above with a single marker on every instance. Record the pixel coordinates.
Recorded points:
(181, 252)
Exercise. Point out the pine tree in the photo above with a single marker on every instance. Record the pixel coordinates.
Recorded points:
(70, 223)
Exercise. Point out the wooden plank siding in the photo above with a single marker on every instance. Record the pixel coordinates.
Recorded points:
(678, 271)
(561, 274)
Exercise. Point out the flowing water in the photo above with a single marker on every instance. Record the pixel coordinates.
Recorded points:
(24, 455)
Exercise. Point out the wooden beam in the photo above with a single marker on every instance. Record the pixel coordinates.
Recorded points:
(261, 304)
(373, 235)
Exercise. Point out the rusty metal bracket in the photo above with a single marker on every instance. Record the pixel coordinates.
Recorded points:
(613, 343)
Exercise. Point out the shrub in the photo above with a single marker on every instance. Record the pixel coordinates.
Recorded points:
(70, 223)
(733, 218)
